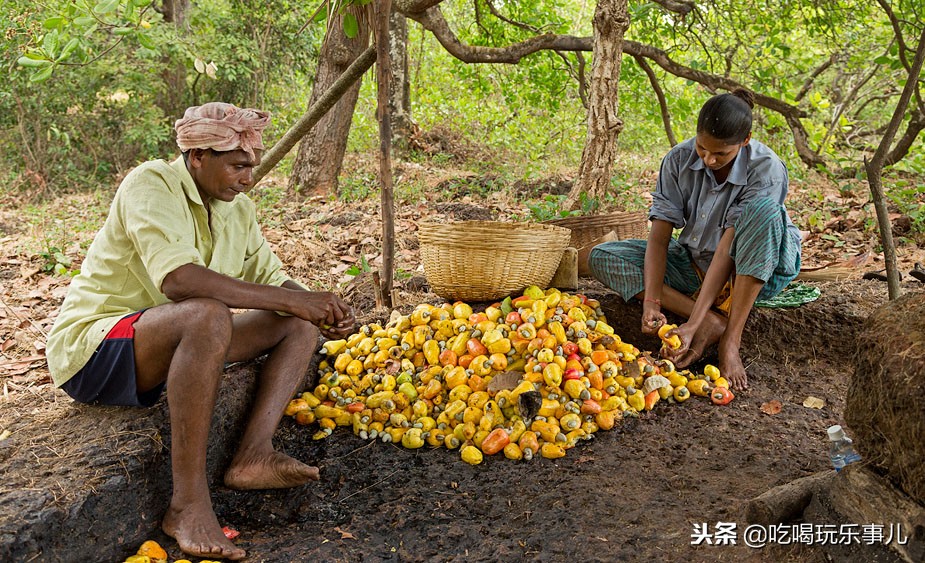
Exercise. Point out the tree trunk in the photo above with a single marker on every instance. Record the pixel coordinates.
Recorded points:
(173, 99)
(321, 153)
(387, 200)
(174, 11)
(611, 20)
(874, 168)
(399, 87)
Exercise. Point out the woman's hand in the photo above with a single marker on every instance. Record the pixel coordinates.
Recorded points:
(652, 318)
(684, 355)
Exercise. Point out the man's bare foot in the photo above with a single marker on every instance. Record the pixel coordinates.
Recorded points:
(198, 533)
(732, 368)
(275, 470)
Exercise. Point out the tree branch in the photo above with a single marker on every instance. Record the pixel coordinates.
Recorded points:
(432, 20)
(791, 114)
(846, 101)
(682, 7)
(897, 31)
(409, 7)
(662, 103)
(494, 11)
(582, 81)
(815, 74)
(318, 110)
(901, 148)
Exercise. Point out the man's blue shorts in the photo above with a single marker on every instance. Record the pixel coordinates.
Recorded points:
(108, 378)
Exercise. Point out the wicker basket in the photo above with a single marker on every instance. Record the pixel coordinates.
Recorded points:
(589, 228)
(486, 260)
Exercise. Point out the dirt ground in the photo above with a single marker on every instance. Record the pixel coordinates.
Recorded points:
(633, 493)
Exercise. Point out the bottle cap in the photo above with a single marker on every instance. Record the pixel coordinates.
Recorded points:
(836, 433)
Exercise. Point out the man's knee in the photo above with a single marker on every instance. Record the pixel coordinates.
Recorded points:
(301, 330)
(202, 317)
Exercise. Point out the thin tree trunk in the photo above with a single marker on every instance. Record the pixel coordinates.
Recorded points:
(321, 153)
(611, 20)
(173, 99)
(384, 79)
(874, 168)
(399, 85)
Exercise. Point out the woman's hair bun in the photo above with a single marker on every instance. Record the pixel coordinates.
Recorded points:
(745, 95)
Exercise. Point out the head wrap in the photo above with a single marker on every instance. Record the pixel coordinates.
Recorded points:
(221, 127)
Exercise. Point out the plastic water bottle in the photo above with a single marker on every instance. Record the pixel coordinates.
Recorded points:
(841, 448)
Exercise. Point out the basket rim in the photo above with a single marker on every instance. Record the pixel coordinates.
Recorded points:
(488, 225)
(615, 217)
(532, 236)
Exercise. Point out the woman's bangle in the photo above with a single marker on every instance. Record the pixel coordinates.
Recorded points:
(649, 300)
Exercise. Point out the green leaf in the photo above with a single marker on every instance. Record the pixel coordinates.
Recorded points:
(146, 41)
(123, 31)
(351, 27)
(882, 60)
(56, 22)
(42, 75)
(68, 49)
(106, 6)
(30, 62)
(506, 306)
(50, 43)
(83, 21)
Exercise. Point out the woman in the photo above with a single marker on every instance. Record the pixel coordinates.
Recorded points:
(725, 192)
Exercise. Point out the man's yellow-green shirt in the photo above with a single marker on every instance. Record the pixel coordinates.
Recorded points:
(156, 224)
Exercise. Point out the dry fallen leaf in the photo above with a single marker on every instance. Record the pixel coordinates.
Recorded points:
(813, 402)
(344, 535)
(772, 407)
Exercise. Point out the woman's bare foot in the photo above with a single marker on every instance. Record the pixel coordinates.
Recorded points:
(274, 470)
(732, 368)
(198, 533)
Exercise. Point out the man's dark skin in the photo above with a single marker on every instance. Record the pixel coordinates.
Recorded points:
(187, 343)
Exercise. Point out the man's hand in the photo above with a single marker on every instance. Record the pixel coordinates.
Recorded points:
(328, 312)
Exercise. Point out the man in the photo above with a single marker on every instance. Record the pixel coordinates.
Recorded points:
(152, 305)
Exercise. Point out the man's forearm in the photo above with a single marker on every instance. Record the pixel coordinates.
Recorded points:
(190, 281)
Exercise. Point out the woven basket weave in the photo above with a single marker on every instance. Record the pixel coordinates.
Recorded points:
(589, 228)
(486, 260)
